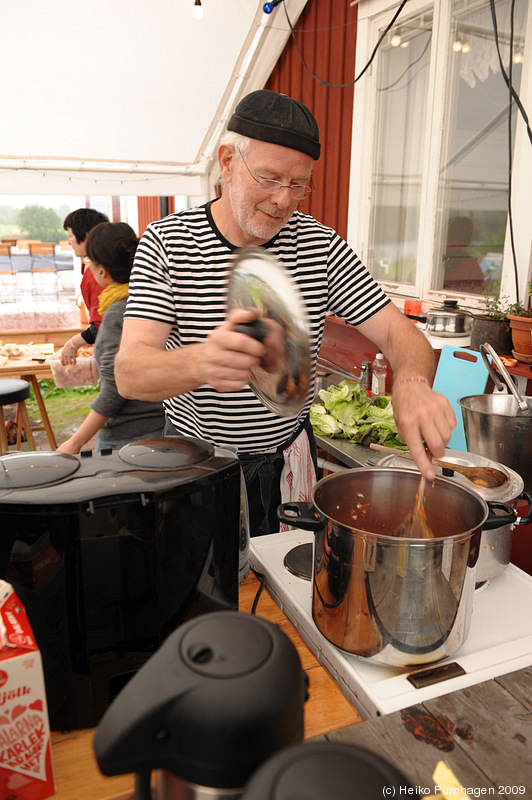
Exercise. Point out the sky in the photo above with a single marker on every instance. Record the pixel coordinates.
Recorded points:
(48, 201)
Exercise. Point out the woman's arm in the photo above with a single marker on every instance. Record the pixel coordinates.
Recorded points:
(88, 428)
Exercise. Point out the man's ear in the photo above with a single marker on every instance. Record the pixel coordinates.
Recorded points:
(226, 156)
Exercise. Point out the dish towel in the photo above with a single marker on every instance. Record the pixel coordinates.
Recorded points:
(298, 475)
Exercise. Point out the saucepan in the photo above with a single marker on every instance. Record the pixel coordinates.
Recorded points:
(387, 599)
(495, 544)
(447, 321)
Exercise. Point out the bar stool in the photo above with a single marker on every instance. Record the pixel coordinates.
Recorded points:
(16, 391)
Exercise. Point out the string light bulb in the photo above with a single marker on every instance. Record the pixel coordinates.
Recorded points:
(268, 7)
(197, 10)
(395, 41)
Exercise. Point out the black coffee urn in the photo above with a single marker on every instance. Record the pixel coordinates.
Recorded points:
(224, 693)
(320, 770)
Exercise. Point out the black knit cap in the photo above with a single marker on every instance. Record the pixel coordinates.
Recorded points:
(276, 118)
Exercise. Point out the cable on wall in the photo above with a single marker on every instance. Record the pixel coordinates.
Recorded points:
(364, 69)
(513, 92)
(512, 96)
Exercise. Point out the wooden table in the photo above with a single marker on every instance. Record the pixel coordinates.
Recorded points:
(56, 336)
(482, 733)
(77, 775)
(31, 371)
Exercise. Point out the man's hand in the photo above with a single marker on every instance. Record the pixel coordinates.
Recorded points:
(422, 414)
(227, 356)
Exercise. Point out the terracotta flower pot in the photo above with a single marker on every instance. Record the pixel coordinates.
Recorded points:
(521, 336)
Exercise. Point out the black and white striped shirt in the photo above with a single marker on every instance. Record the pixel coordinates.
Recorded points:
(180, 278)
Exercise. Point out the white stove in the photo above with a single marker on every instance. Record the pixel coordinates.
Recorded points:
(499, 641)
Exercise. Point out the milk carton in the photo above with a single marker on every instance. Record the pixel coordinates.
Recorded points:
(25, 746)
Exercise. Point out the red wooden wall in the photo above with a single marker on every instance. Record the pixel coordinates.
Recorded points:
(325, 35)
(149, 208)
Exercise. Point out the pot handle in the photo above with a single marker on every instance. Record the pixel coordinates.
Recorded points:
(413, 316)
(499, 385)
(528, 519)
(505, 374)
(303, 515)
(257, 329)
(497, 521)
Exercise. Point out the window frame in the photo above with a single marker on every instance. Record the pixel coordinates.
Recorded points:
(373, 16)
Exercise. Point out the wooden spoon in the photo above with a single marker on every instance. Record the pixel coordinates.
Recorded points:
(487, 477)
(415, 524)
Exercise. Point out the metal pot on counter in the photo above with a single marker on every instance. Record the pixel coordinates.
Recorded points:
(495, 545)
(499, 426)
(446, 321)
(388, 599)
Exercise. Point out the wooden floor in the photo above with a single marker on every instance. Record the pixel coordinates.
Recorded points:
(77, 775)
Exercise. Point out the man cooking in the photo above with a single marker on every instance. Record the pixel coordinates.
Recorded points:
(180, 345)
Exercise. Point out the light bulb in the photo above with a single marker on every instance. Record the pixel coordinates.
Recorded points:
(268, 7)
(197, 10)
(518, 58)
(457, 46)
(466, 48)
(395, 41)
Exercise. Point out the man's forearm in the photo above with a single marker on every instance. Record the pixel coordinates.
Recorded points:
(147, 373)
(406, 348)
(411, 355)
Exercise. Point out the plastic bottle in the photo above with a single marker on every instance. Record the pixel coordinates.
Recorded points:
(378, 375)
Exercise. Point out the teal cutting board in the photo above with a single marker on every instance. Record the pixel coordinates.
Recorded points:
(460, 372)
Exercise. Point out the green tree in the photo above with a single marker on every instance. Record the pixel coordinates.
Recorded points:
(41, 223)
(8, 215)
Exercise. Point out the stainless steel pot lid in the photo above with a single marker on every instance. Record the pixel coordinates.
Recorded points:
(503, 494)
(36, 468)
(260, 283)
(166, 453)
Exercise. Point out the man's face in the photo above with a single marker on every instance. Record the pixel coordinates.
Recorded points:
(259, 215)
(78, 247)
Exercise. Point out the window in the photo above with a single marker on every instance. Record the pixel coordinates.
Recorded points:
(430, 165)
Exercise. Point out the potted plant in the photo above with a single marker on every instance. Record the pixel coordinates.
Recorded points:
(492, 326)
(520, 317)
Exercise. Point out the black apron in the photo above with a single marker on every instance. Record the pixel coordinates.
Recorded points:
(262, 474)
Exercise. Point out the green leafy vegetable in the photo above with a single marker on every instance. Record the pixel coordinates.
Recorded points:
(348, 413)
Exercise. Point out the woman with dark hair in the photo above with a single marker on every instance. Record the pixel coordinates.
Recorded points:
(78, 224)
(111, 247)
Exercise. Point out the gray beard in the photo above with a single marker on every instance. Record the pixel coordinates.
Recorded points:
(245, 219)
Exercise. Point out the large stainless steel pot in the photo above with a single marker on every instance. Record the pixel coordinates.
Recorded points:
(494, 429)
(447, 321)
(388, 599)
(495, 545)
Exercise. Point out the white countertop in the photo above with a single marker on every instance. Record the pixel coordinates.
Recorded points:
(438, 342)
(499, 641)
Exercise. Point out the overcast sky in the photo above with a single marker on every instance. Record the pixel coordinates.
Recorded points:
(48, 201)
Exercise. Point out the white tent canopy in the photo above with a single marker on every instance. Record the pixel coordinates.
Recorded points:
(127, 98)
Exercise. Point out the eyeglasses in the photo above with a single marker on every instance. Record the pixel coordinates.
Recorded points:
(298, 190)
